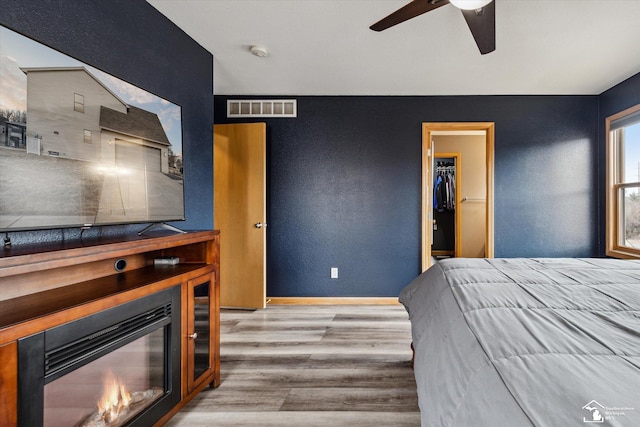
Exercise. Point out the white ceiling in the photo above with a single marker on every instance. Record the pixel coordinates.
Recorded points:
(325, 47)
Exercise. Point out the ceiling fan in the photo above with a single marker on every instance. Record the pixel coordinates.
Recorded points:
(479, 14)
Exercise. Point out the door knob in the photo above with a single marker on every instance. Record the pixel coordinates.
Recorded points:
(193, 336)
(260, 225)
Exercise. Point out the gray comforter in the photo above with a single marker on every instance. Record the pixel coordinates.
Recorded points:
(520, 342)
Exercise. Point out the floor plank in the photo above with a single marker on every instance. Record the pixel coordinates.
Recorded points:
(311, 366)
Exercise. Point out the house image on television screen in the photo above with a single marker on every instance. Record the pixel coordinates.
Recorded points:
(114, 157)
(75, 116)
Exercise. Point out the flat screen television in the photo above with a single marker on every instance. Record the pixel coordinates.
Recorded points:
(80, 147)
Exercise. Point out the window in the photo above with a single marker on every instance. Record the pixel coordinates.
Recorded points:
(87, 136)
(623, 184)
(78, 103)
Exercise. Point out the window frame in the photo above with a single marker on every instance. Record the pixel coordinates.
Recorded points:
(615, 186)
(78, 103)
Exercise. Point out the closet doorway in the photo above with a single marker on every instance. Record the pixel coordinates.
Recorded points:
(461, 154)
(447, 188)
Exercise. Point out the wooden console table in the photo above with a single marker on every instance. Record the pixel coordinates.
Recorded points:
(45, 286)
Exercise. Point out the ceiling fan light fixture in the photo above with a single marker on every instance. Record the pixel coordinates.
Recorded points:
(470, 4)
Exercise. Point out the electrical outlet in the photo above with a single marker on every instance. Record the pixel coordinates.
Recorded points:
(334, 272)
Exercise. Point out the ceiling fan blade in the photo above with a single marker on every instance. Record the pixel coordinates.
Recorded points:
(482, 24)
(411, 10)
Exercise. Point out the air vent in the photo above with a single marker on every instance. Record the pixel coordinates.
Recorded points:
(65, 357)
(262, 108)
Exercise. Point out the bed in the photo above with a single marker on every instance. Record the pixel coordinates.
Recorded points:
(521, 342)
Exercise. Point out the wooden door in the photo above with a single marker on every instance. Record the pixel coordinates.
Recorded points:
(427, 198)
(240, 212)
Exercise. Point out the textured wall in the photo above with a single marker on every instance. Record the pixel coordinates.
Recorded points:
(345, 178)
(133, 41)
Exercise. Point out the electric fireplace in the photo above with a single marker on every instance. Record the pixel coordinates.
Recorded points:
(114, 368)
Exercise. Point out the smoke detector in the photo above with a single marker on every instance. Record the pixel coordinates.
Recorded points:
(259, 51)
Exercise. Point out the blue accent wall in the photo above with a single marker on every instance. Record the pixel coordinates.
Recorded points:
(133, 41)
(345, 185)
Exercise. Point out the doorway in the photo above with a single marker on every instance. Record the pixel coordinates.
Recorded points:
(447, 188)
(474, 223)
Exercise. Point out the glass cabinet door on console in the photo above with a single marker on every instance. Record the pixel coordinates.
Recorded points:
(200, 330)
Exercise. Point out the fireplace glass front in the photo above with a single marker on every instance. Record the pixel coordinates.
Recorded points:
(110, 390)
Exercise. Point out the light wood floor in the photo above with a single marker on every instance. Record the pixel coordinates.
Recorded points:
(311, 366)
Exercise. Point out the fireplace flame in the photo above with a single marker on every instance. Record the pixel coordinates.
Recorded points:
(115, 399)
